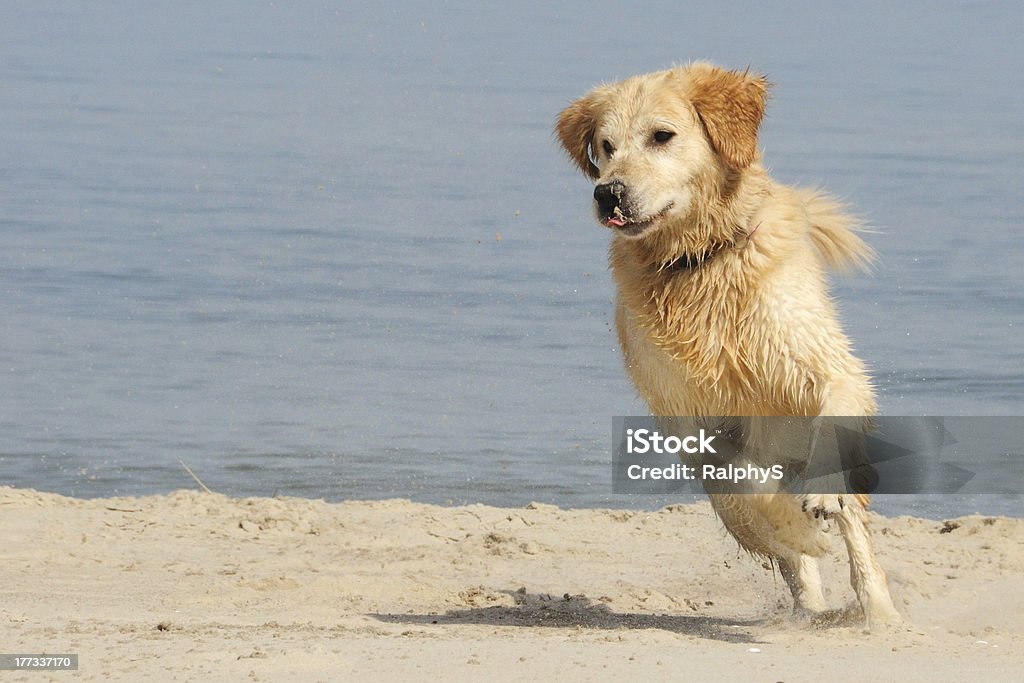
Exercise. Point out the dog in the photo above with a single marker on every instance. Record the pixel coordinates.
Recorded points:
(722, 300)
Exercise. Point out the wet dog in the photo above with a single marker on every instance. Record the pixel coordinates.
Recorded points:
(722, 299)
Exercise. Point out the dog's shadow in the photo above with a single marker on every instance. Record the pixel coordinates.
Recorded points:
(578, 611)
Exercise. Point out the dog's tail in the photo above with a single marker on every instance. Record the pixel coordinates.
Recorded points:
(834, 233)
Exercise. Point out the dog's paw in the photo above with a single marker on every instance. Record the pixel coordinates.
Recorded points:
(822, 505)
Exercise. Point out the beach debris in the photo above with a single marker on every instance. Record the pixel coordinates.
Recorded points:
(193, 475)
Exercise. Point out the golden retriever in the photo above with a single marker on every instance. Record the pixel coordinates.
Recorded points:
(722, 304)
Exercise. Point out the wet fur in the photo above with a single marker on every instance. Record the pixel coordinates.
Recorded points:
(751, 331)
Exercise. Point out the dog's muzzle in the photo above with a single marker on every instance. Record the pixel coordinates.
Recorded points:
(609, 197)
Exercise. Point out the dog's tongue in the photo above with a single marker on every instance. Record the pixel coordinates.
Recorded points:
(617, 222)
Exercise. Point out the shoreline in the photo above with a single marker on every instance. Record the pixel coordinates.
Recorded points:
(202, 585)
(936, 507)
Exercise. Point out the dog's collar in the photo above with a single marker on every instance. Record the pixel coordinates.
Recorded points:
(688, 262)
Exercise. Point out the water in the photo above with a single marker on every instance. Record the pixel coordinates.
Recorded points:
(328, 251)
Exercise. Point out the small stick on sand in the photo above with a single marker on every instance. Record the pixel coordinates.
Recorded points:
(193, 475)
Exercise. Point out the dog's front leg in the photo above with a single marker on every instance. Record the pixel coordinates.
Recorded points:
(866, 575)
(804, 580)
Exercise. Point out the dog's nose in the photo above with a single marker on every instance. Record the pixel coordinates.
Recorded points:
(608, 195)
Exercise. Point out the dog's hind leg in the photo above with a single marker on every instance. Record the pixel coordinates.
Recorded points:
(804, 580)
(866, 575)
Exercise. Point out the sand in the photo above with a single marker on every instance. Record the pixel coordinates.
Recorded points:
(198, 586)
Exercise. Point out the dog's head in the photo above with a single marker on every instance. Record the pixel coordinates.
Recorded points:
(650, 142)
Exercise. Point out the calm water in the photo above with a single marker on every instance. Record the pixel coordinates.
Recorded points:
(328, 251)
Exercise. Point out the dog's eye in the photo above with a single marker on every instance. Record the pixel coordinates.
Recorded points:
(663, 136)
(608, 149)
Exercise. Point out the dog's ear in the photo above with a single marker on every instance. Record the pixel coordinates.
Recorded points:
(731, 105)
(575, 129)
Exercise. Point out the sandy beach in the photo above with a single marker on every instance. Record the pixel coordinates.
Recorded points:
(198, 586)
